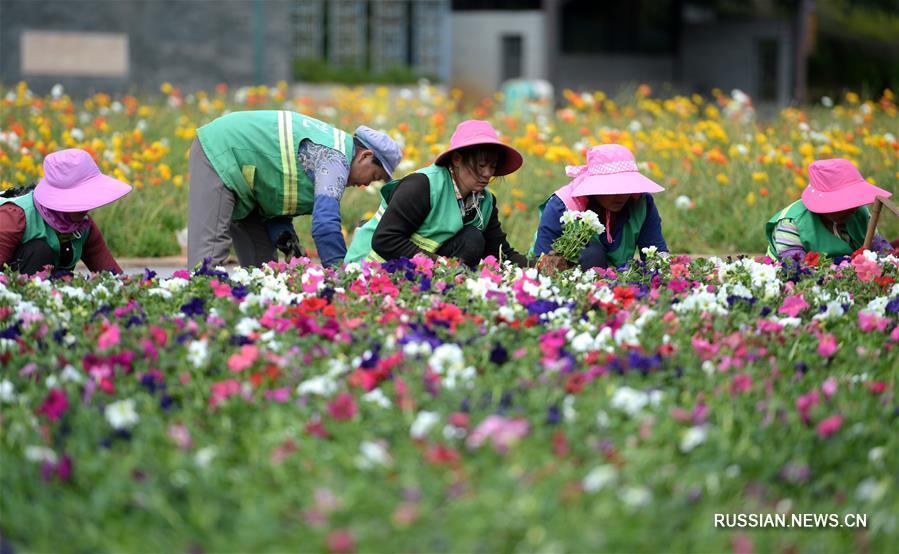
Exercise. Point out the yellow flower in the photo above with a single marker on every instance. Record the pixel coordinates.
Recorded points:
(759, 176)
(852, 97)
(750, 198)
(178, 180)
(722, 179)
(166, 88)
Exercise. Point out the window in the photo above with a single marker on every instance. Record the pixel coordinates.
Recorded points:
(512, 57)
(619, 26)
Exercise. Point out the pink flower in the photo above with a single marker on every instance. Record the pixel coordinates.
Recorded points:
(220, 290)
(181, 274)
(829, 426)
(243, 359)
(501, 431)
(341, 541)
(805, 403)
(793, 305)
(54, 405)
(109, 337)
(343, 407)
(281, 395)
(829, 387)
(866, 269)
(222, 390)
(868, 322)
(827, 345)
(741, 382)
(180, 435)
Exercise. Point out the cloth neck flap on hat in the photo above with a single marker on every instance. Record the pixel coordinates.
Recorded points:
(573, 203)
(60, 221)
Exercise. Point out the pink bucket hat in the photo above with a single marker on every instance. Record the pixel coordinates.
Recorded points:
(72, 182)
(610, 169)
(836, 185)
(474, 132)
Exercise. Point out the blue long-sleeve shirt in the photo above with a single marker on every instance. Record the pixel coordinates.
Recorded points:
(329, 170)
(550, 227)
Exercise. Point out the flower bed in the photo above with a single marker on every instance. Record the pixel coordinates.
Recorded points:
(424, 407)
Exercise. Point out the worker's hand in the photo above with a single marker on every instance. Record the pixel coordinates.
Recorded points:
(289, 244)
(552, 262)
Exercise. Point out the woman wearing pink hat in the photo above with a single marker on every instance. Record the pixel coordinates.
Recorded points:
(827, 218)
(49, 226)
(612, 186)
(444, 209)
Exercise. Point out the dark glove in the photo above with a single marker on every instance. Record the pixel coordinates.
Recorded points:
(289, 244)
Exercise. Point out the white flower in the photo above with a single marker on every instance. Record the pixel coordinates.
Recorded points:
(636, 497)
(322, 385)
(826, 101)
(602, 420)
(377, 396)
(599, 478)
(7, 391)
(198, 353)
(875, 454)
(632, 401)
(204, 456)
(57, 91)
(871, 490)
(40, 454)
(246, 326)
(445, 357)
(121, 414)
(683, 202)
(692, 438)
(70, 374)
(423, 423)
(372, 454)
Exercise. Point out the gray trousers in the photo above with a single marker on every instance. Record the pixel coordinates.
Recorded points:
(210, 229)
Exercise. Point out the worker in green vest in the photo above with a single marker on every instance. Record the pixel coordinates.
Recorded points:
(830, 218)
(251, 172)
(48, 225)
(444, 209)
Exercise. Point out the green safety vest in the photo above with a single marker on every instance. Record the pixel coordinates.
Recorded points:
(815, 237)
(627, 246)
(255, 154)
(37, 228)
(443, 221)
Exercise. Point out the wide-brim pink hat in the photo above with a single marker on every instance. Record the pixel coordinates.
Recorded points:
(610, 169)
(72, 182)
(474, 132)
(836, 185)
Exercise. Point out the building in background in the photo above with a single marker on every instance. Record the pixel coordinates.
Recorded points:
(611, 44)
(758, 46)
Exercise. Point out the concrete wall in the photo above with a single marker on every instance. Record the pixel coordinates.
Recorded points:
(611, 73)
(192, 44)
(477, 47)
(726, 55)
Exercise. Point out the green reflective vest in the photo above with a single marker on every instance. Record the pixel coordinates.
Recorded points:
(37, 228)
(255, 154)
(626, 249)
(443, 221)
(813, 234)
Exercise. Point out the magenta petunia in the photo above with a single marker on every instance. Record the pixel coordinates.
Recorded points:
(793, 305)
(827, 345)
(54, 405)
(829, 426)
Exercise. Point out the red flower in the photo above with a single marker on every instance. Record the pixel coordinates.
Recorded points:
(54, 405)
(575, 383)
(343, 407)
(316, 428)
(877, 387)
(341, 541)
(443, 455)
(813, 259)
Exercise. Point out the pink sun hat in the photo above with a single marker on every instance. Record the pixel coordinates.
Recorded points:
(475, 132)
(836, 185)
(72, 182)
(610, 169)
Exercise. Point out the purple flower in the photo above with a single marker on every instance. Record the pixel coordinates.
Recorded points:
(498, 354)
(239, 291)
(540, 307)
(194, 307)
(553, 415)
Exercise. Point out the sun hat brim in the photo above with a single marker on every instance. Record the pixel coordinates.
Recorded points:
(512, 159)
(87, 195)
(626, 182)
(859, 193)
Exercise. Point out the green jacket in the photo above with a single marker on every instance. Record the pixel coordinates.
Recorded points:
(37, 228)
(815, 237)
(443, 221)
(255, 154)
